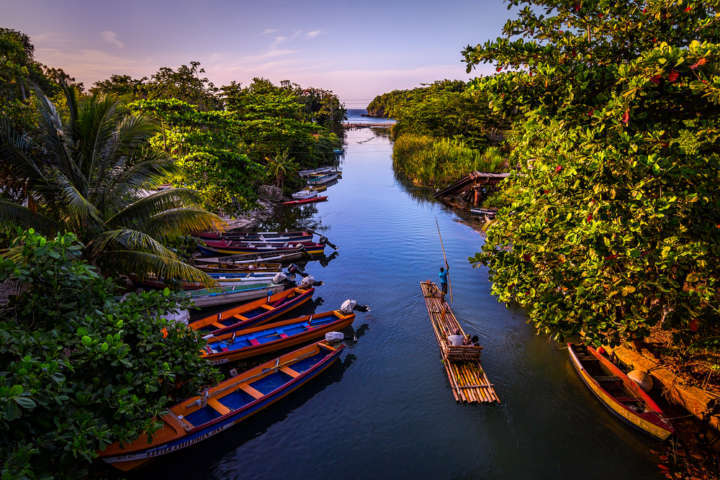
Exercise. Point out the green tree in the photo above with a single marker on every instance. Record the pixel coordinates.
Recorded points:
(88, 177)
(613, 223)
(81, 367)
(279, 167)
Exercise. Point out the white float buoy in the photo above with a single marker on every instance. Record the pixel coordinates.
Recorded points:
(642, 378)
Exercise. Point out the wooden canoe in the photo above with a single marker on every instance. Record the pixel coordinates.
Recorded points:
(619, 393)
(259, 236)
(306, 200)
(253, 313)
(272, 337)
(225, 405)
(224, 260)
(221, 247)
(322, 179)
(238, 268)
(208, 297)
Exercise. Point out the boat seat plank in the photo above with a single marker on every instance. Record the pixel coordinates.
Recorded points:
(267, 307)
(289, 371)
(219, 407)
(240, 317)
(251, 391)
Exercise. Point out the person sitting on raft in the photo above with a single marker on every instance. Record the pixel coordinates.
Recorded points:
(457, 339)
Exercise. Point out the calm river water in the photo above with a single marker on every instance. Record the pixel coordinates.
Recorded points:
(387, 411)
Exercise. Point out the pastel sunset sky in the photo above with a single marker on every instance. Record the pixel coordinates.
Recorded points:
(358, 49)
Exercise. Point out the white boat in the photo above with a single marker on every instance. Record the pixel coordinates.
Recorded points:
(303, 194)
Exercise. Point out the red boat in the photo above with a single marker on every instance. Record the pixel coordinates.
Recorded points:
(306, 200)
(619, 393)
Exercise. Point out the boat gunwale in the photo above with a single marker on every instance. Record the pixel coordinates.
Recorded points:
(220, 358)
(143, 454)
(654, 415)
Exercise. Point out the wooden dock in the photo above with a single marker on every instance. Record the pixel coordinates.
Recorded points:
(468, 380)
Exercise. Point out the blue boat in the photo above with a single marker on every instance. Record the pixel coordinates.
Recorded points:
(224, 405)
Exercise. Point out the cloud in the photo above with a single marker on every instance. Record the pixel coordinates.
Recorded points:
(278, 40)
(268, 31)
(313, 33)
(111, 38)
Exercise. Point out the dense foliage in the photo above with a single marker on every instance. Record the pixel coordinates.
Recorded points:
(442, 132)
(84, 174)
(263, 135)
(80, 367)
(436, 162)
(613, 225)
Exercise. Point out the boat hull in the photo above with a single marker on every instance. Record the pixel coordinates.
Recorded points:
(643, 422)
(306, 200)
(172, 439)
(223, 298)
(241, 316)
(294, 252)
(218, 358)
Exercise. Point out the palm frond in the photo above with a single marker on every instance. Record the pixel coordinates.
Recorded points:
(126, 238)
(144, 264)
(17, 214)
(97, 122)
(14, 150)
(79, 208)
(143, 174)
(141, 210)
(179, 221)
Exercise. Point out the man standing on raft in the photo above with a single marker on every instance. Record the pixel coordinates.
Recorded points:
(444, 280)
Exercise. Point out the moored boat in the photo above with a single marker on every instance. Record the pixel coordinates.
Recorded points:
(254, 313)
(320, 198)
(217, 267)
(317, 171)
(208, 297)
(255, 237)
(275, 336)
(322, 179)
(619, 393)
(239, 260)
(303, 194)
(223, 247)
(224, 405)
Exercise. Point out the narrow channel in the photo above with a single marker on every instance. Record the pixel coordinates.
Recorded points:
(386, 411)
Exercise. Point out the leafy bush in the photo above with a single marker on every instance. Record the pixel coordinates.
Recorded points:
(436, 162)
(79, 367)
(612, 226)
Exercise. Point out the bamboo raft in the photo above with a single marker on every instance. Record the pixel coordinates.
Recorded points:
(468, 380)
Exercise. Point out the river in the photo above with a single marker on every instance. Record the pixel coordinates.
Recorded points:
(386, 411)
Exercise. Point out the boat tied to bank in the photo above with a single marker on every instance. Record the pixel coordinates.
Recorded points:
(247, 343)
(254, 313)
(224, 405)
(620, 394)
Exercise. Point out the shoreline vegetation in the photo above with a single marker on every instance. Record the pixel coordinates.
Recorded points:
(608, 228)
(106, 183)
(443, 131)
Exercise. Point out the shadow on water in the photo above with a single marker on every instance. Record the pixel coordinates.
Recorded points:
(183, 464)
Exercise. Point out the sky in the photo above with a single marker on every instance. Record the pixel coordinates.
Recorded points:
(358, 49)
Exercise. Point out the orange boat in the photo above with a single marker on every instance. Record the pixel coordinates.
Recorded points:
(254, 313)
(274, 336)
(224, 405)
(618, 392)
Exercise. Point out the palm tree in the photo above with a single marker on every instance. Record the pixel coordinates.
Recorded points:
(280, 166)
(87, 175)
